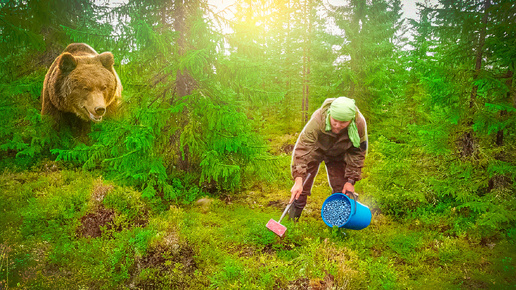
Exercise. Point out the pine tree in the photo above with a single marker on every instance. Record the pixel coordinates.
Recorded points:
(180, 122)
(467, 92)
(369, 62)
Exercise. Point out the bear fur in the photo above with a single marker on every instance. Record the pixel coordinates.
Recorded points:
(81, 86)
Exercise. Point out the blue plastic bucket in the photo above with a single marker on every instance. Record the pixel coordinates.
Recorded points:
(341, 211)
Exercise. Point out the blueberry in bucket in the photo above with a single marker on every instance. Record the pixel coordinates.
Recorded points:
(337, 211)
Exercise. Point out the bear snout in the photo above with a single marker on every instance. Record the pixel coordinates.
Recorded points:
(100, 111)
(94, 117)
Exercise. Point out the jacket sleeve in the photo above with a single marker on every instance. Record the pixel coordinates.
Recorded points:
(355, 157)
(305, 147)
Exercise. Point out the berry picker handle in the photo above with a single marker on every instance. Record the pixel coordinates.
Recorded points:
(288, 205)
(284, 212)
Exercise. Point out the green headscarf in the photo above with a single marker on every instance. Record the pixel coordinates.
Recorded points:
(344, 109)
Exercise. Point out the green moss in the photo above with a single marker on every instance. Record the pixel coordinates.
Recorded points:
(225, 245)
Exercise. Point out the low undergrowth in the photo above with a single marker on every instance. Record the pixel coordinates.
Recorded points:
(73, 229)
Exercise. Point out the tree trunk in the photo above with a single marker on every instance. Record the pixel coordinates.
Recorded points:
(499, 180)
(306, 61)
(508, 83)
(468, 139)
(288, 64)
(184, 82)
(357, 18)
(478, 60)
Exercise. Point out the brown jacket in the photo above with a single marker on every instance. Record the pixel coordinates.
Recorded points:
(315, 144)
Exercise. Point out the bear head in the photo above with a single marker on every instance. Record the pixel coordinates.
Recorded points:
(89, 85)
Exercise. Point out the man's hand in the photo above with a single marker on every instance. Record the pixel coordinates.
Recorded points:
(296, 189)
(348, 187)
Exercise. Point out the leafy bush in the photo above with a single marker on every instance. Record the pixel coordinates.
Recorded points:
(394, 179)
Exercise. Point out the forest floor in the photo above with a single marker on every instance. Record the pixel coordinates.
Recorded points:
(69, 228)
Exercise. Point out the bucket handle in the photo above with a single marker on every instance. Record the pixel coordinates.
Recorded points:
(355, 197)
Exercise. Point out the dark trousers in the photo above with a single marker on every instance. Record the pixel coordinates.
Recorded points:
(335, 167)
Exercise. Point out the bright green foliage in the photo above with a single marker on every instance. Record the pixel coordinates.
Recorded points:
(211, 112)
(13, 107)
(197, 109)
(199, 137)
(396, 195)
(227, 146)
(45, 242)
(371, 46)
(125, 152)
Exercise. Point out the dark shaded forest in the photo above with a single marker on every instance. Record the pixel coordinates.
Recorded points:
(175, 191)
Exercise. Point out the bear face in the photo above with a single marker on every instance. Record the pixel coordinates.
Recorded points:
(81, 86)
(88, 97)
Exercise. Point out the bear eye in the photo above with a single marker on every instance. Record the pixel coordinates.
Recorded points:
(104, 87)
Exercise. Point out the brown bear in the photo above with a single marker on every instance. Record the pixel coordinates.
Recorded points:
(81, 86)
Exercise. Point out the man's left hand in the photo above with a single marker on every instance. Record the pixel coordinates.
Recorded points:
(348, 187)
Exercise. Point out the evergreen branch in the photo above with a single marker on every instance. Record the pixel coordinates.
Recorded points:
(32, 38)
(121, 156)
(89, 33)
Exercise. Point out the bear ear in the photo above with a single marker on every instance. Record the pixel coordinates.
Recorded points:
(67, 62)
(107, 59)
